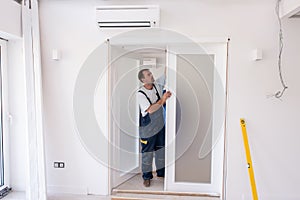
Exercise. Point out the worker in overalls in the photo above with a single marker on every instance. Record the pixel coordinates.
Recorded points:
(152, 126)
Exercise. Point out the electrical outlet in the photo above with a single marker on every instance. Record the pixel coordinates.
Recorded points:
(56, 165)
(59, 165)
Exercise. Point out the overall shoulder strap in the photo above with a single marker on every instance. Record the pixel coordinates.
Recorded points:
(145, 96)
(157, 94)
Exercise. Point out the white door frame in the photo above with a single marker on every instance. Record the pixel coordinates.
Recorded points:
(35, 171)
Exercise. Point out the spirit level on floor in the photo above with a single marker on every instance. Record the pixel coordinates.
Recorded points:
(249, 161)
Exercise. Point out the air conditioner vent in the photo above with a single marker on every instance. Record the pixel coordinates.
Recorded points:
(128, 24)
(127, 16)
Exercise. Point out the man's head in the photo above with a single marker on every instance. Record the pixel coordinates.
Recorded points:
(145, 76)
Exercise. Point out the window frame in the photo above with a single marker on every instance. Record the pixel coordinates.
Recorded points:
(4, 114)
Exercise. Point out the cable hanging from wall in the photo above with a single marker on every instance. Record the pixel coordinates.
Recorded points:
(279, 94)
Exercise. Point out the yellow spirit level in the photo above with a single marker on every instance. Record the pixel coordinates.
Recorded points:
(248, 156)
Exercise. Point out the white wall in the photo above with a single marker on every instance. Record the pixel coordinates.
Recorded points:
(67, 33)
(10, 19)
(272, 124)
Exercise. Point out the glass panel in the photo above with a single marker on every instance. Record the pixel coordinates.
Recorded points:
(124, 109)
(194, 92)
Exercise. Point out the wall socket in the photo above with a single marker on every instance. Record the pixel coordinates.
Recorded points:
(59, 165)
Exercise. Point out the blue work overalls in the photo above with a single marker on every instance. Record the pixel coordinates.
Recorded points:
(152, 137)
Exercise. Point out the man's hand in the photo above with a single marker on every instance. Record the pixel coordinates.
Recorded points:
(167, 95)
(162, 101)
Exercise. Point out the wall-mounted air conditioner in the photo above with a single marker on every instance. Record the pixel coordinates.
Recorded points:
(127, 16)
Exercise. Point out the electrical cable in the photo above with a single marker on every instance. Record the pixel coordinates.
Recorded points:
(279, 94)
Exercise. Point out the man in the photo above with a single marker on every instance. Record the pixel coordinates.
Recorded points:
(152, 127)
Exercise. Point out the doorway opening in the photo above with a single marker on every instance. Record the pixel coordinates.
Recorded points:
(196, 75)
(127, 61)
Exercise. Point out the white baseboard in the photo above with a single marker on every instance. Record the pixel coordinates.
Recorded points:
(54, 189)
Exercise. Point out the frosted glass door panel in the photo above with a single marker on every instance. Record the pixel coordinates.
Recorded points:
(194, 90)
(195, 118)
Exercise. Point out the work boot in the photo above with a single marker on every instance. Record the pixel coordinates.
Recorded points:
(147, 183)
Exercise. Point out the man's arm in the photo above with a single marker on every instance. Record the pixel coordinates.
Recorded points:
(161, 102)
(161, 81)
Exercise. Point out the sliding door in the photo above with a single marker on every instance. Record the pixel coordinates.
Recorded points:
(195, 118)
(124, 115)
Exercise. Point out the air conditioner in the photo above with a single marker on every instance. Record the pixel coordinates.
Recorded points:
(127, 16)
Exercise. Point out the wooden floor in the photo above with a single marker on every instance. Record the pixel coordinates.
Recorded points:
(160, 196)
(124, 196)
(132, 189)
(136, 183)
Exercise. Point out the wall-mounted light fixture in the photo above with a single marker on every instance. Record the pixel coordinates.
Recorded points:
(257, 54)
(56, 54)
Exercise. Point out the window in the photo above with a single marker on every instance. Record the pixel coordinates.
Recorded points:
(4, 167)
